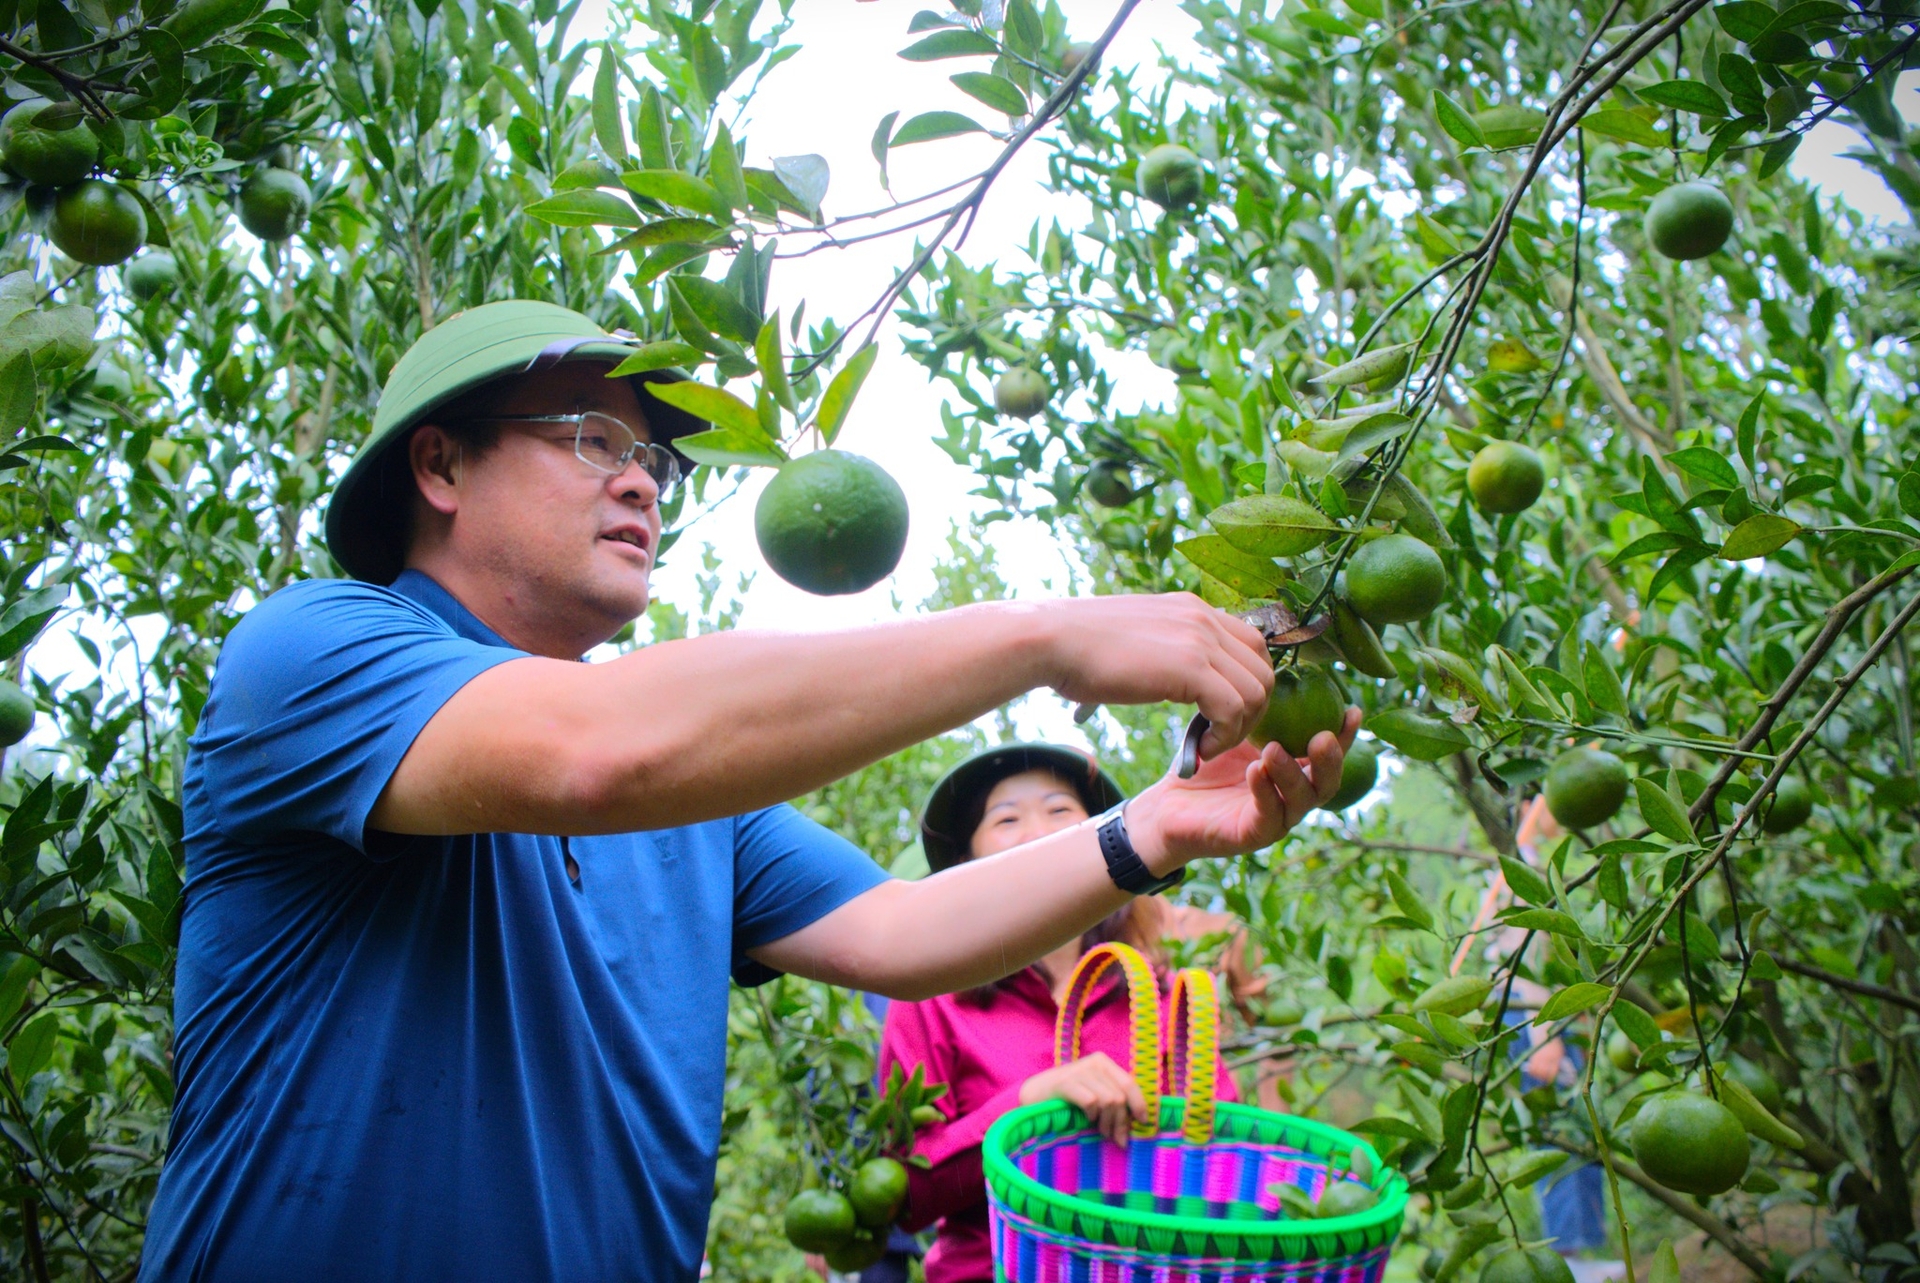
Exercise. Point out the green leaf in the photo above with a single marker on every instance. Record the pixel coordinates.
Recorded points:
(1422, 738)
(1666, 1264)
(882, 139)
(1535, 1164)
(1271, 525)
(1409, 901)
(1526, 883)
(1246, 574)
(726, 447)
(1551, 921)
(1674, 568)
(719, 309)
(1636, 1024)
(1758, 535)
(19, 393)
(654, 139)
(1603, 684)
(929, 126)
(1571, 1001)
(656, 356)
(684, 191)
(1687, 95)
(23, 618)
(773, 364)
(608, 129)
(958, 43)
(697, 232)
(584, 207)
(32, 1048)
(723, 170)
(841, 392)
(1510, 125)
(1659, 541)
(1627, 126)
(1663, 812)
(1764, 967)
(1778, 153)
(1459, 125)
(996, 92)
(1710, 466)
(1323, 23)
(716, 405)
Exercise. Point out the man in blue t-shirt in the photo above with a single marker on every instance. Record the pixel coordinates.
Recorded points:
(461, 911)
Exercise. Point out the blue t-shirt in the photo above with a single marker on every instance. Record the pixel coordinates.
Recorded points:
(441, 1058)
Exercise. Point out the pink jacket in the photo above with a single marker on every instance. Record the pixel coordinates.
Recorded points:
(984, 1053)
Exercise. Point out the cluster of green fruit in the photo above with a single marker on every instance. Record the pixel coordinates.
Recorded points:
(51, 147)
(1588, 786)
(850, 1228)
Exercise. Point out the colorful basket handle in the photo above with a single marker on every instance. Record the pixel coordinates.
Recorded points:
(1143, 1009)
(1195, 1051)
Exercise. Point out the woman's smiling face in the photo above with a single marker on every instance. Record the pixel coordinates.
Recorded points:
(1024, 807)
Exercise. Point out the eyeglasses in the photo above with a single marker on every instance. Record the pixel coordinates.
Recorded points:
(607, 445)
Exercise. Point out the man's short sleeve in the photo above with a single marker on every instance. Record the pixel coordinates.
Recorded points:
(789, 873)
(319, 693)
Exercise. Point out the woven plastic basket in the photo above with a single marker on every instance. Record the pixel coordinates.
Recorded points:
(1194, 1198)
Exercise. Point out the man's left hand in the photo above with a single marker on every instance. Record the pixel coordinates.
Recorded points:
(1240, 801)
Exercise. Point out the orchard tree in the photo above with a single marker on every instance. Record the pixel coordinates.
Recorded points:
(1516, 383)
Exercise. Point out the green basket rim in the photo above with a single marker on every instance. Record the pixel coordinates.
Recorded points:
(1390, 1211)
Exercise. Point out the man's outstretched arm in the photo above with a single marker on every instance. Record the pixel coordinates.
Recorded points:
(987, 918)
(692, 730)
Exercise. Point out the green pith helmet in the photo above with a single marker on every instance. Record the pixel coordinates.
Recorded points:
(367, 520)
(946, 825)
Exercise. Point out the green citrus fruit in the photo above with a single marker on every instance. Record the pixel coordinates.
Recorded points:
(1109, 484)
(832, 522)
(54, 157)
(1757, 1080)
(1624, 1053)
(16, 714)
(1344, 1198)
(1021, 392)
(1531, 1265)
(1690, 1143)
(819, 1220)
(1395, 580)
(879, 1188)
(1305, 701)
(1455, 996)
(274, 204)
(1505, 477)
(855, 1254)
(1689, 220)
(1358, 774)
(153, 274)
(198, 21)
(1792, 806)
(97, 223)
(1171, 176)
(1585, 787)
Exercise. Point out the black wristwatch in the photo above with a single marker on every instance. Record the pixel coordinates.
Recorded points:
(1124, 865)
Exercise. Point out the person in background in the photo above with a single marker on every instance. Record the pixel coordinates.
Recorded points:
(993, 1044)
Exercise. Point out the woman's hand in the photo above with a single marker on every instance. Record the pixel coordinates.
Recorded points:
(1240, 801)
(1101, 1090)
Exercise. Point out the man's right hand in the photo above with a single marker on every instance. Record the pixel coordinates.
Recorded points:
(1171, 647)
(1104, 1092)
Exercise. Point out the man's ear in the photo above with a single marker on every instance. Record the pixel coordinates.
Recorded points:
(436, 460)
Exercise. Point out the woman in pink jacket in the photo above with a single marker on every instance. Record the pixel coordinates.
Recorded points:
(993, 1046)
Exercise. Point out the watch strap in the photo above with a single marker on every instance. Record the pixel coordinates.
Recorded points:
(1124, 864)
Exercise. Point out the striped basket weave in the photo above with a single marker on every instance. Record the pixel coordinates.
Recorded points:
(1194, 1198)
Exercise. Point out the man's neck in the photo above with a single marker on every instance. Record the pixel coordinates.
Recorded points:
(508, 609)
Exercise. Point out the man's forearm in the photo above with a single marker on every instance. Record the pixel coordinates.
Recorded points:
(971, 924)
(692, 730)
